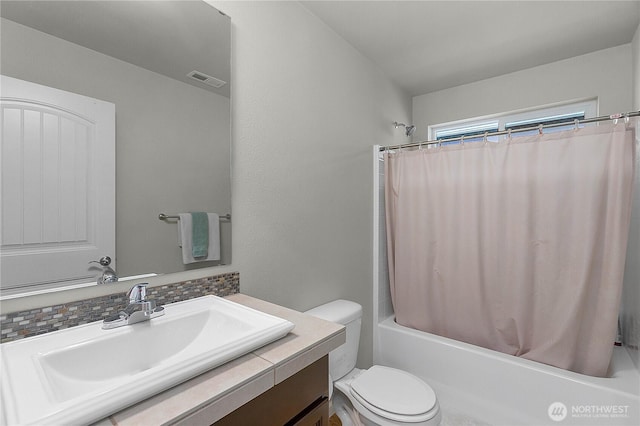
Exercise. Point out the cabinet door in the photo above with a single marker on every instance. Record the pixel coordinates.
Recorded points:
(319, 416)
(287, 403)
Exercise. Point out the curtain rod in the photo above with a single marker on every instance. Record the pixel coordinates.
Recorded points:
(540, 127)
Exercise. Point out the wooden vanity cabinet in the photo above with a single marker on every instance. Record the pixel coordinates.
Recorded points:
(285, 383)
(300, 400)
(318, 416)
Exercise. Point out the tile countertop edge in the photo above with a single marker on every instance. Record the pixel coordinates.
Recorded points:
(237, 382)
(302, 346)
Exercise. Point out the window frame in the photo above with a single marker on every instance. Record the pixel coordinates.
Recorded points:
(497, 122)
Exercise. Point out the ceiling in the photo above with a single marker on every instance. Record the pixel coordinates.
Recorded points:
(426, 46)
(423, 46)
(171, 38)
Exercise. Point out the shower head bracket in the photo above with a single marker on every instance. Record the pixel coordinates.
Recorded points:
(408, 130)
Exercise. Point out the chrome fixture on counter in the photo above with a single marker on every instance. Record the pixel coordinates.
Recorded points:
(139, 309)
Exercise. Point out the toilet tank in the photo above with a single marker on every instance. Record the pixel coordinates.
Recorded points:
(342, 359)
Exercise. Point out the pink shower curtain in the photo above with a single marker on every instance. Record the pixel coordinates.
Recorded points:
(515, 246)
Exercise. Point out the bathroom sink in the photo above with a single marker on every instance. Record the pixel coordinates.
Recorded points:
(84, 373)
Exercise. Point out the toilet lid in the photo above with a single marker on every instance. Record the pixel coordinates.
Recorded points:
(393, 391)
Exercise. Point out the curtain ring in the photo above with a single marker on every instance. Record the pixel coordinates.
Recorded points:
(462, 140)
(615, 121)
(540, 129)
(509, 135)
(626, 120)
(485, 138)
(576, 123)
(439, 144)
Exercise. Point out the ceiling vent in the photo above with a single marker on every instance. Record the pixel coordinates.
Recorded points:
(206, 79)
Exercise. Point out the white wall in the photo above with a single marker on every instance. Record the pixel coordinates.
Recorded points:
(631, 296)
(172, 141)
(636, 68)
(307, 108)
(604, 74)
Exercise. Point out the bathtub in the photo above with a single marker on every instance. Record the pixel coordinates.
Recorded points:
(498, 389)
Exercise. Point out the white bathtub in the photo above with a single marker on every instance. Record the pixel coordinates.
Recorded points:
(501, 389)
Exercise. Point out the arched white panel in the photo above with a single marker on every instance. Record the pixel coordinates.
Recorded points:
(58, 184)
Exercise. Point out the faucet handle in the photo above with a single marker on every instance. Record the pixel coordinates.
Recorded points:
(138, 293)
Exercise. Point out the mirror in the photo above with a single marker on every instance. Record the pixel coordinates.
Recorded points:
(173, 150)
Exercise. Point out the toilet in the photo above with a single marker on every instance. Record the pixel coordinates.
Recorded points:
(380, 396)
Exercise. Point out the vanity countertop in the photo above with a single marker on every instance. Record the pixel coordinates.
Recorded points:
(214, 394)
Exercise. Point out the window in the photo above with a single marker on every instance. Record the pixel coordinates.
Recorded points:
(474, 129)
(472, 133)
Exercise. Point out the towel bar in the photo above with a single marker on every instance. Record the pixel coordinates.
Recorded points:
(163, 216)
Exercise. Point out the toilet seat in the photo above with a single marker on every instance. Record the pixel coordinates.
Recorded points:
(394, 394)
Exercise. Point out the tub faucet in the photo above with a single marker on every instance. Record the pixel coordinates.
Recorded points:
(139, 309)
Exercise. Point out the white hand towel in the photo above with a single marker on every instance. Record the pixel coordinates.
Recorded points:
(185, 238)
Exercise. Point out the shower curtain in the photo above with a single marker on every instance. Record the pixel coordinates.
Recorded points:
(517, 246)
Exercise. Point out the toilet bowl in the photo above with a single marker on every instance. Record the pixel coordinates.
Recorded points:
(386, 396)
(380, 395)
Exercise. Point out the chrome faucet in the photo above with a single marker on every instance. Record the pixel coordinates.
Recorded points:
(108, 274)
(139, 309)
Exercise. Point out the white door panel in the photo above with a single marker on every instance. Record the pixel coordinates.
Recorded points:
(57, 164)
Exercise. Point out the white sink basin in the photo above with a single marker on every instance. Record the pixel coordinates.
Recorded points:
(83, 374)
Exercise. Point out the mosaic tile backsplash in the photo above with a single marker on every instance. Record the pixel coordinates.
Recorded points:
(18, 325)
